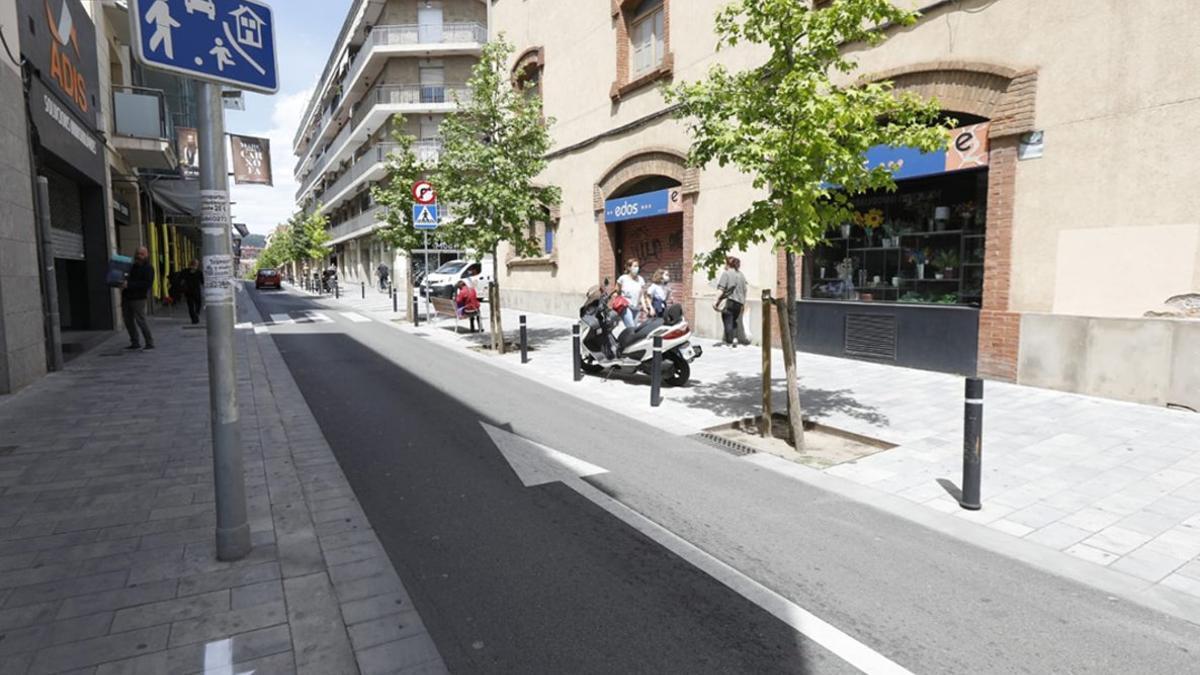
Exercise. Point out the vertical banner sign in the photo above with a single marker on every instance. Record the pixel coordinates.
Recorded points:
(188, 151)
(218, 269)
(251, 160)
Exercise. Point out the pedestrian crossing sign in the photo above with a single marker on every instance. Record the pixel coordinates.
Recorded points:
(425, 216)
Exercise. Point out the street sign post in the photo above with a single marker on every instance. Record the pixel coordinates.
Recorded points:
(216, 42)
(425, 218)
(227, 41)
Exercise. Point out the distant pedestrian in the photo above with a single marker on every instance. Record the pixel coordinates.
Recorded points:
(193, 289)
(732, 285)
(466, 304)
(660, 292)
(633, 288)
(137, 286)
(383, 273)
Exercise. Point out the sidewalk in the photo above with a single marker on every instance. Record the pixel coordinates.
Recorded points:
(1112, 483)
(107, 562)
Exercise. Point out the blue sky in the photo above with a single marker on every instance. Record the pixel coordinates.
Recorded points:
(305, 33)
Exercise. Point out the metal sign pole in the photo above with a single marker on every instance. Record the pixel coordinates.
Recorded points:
(428, 286)
(233, 528)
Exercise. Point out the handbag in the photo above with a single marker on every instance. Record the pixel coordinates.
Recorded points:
(619, 304)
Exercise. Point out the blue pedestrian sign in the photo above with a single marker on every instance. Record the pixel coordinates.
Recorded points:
(425, 216)
(226, 41)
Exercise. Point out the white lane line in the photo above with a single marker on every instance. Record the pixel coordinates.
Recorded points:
(317, 317)
(260, 330)
(281, 319)
(356, 318)
(804, 622)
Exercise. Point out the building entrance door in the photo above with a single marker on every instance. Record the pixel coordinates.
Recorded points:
(657, 243)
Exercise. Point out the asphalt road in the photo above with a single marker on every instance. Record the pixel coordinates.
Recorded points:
(515, 579)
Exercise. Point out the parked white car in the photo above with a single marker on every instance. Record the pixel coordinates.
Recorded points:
(443, 280)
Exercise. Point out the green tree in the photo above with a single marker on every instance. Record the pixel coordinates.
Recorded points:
(799, 125)
(309, 236)
(403, 169)
(495, 145)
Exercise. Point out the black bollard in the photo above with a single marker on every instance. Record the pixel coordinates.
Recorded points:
(577, 358)
(337, 290)
(524, 341)
(416, 311)
(972, 445)
(656, 373)
(395, 301)
(364, 290)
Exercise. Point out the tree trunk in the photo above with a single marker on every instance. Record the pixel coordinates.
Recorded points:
(791, 289)
(494, 298)
(795, 419)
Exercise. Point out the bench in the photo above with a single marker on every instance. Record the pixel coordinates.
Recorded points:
(445, 307)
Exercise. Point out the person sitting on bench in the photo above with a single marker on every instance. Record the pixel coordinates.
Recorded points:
(466, 304)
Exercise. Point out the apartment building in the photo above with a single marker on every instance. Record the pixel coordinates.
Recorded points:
(393, 60)
(1031, 250)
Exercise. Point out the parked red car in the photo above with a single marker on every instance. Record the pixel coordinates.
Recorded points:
(268, 279)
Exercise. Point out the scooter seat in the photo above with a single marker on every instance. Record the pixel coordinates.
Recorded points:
(632, 335)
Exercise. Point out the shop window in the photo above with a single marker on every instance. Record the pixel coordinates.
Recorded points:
(923, 243)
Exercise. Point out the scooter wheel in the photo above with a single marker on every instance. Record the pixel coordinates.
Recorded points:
(681, 370)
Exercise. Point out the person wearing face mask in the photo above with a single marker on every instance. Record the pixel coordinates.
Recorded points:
(660, 292)
(633, 287)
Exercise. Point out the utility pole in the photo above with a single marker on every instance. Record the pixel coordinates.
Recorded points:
(233, 528)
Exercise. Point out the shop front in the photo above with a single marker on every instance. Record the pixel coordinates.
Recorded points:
(648, 227)
(63, 104)
(903, 282)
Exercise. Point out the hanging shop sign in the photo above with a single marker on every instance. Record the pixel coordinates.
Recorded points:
(646, 205)
(59, 41)
(968, 149)
(251, 160)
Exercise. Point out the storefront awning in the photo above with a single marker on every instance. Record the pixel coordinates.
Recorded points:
(177, 197)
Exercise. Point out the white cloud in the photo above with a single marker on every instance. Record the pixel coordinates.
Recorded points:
(261, 207)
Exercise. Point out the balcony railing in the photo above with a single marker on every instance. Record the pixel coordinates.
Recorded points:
(400, 35)
(374, 156)
(414, 95)
(429, 150)
(362, 221)
(141, 113)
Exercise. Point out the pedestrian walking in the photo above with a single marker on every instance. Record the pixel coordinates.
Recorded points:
(732, 285)
(193, 289)
(134, 290)
(660, 292)
(633, 288)
(383, 273)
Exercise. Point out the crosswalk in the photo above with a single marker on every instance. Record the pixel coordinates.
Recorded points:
(312, 316)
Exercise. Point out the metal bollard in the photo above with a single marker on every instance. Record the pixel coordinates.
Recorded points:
(656, 373)
(972, 445)
(364, 290)
(337, 290)
(395, 301)
(416, 311)
(524, 341)
(577, 358)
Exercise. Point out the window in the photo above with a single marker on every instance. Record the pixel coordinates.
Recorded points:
(647, 41)
(548, 239)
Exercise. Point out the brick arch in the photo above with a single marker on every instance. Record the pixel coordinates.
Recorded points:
(655, 161)
(649, 161)
(1007, 97)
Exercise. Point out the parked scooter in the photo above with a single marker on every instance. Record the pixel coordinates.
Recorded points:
(606, 345)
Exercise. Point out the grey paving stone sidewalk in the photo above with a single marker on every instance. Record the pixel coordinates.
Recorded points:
(1112, 483)
(107, 564)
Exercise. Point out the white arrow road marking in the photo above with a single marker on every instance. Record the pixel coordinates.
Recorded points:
(356, 318)
(536, 464)
(281, 319)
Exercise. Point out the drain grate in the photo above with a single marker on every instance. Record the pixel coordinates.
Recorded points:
(724, 444)
(870, 335)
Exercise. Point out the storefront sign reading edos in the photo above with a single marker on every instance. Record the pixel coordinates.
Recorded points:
(644, 205)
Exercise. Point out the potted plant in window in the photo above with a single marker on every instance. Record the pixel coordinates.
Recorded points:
(871, 220)
(918, 257)
(947, 261)
(890, 235)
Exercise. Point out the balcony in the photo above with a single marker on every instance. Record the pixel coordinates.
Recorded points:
(142, 129)
(386, 42)
(364, 223)
(370, 168)
(378, 106)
